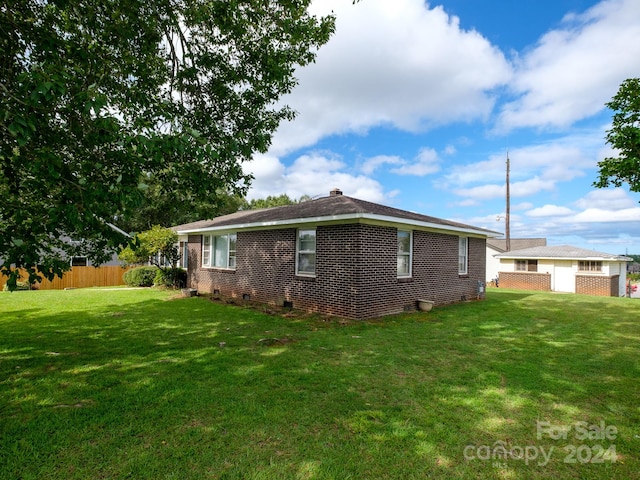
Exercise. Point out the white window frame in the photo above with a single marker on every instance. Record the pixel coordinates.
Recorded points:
(525, 265)
(209, 258)
(300, 252)
(463, 255)
(404, 255)
(593, 266)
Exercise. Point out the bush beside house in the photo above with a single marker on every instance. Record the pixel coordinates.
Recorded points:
(140, 276)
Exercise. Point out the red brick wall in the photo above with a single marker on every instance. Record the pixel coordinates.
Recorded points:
(603, 286)
(525, 280)
(356, 274)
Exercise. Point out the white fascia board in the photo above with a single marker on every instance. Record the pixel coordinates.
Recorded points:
(432, 226)
(344, 218)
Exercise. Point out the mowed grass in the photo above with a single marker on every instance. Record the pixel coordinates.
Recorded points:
(136, 384)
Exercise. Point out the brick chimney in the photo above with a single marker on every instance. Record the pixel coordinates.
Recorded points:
(335, 192)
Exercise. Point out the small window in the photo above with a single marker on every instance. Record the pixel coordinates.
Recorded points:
(590, 266)
(463, 255)
(306, 253)
(219, 251)
(404, 253)
(526, 265)
(184, 255)
(79, 262)
(206, 251)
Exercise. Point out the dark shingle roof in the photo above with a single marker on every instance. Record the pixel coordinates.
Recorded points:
(322, 208)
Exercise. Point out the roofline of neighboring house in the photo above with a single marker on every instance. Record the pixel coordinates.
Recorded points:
(514, 256)
(351, 217)
(119, 230)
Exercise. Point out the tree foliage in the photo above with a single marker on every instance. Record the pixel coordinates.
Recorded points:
(274, 201)
(101, 100)
(159, 207)
(157, 246)
(624, 137)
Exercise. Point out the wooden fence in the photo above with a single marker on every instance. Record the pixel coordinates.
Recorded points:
(82, 277)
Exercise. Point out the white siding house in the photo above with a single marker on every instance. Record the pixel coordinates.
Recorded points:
(564, 269)
(499, 245)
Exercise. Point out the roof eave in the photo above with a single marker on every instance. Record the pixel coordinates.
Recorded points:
(349, 217)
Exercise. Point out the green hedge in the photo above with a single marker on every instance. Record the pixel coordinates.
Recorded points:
(19, 286)
(140, 276)
(173, 277)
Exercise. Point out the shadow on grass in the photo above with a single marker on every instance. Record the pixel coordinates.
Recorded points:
(191, 389)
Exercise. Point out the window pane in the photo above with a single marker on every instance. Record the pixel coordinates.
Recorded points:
(403, 265)
(232, 250)
(462, 265)
(404, 242)
(307, 263)
(462, 255)
(306, 252)
(184, 260)
(307, 240)
(590, 265)
(221, 253)
(404, 253)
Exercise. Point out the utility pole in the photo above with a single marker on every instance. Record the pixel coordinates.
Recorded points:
(507, 232)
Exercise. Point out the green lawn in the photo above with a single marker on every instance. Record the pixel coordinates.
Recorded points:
(133, 384)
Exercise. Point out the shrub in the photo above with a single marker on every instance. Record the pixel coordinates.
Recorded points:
(140, 276)
(172, 277)
(634, 277)
(19, 286)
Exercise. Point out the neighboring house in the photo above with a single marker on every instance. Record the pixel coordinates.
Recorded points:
(499, 245)
(564, 269)
(336, 255)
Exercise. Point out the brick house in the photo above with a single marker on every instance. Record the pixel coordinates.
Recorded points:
(336, 255)
(564, 269)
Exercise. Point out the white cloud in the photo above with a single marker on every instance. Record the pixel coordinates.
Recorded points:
(606, 219)
(370, 165)
(533, 168)
(450, 150)
(425, 163)
(550, 211)
(609, 199)
(397, 63)
(483, 192)
(522, 206)
(314, 174)
(573, 71)
(596, 215)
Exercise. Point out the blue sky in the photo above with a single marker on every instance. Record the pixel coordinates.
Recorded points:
(415, 105)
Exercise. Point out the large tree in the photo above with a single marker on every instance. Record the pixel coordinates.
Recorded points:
(103, 99)
(273, 201)
(624, 137)
(167, 209)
